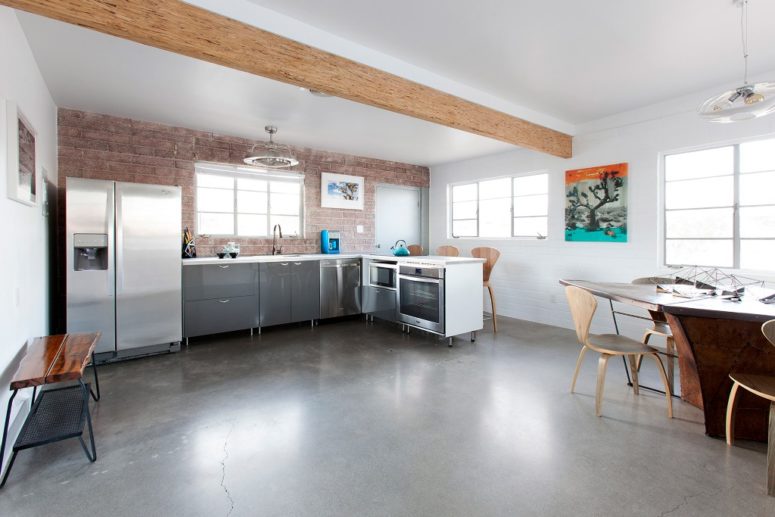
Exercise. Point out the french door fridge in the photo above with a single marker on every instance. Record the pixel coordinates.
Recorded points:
(124, 265)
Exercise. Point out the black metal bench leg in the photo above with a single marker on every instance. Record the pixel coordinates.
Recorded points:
(5, 438)
(93, 456)
(96, 379)
(8, 470)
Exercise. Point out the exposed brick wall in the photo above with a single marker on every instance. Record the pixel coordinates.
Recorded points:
(105, 147)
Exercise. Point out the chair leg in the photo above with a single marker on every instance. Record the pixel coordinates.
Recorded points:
(494, 310)
(668, 393)
(731, 407)
(634, 367)
(582, 353)
(771, 453)
(602, 364)
(671, 363)
(645, 340)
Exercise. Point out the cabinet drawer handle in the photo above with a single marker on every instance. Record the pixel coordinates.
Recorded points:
(283, 263)
(224, 301)
(224, 267)
(297, 263)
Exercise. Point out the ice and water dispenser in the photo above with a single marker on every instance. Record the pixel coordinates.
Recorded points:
(90, 251)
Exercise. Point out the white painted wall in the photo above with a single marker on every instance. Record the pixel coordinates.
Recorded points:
(526, 277)
(23, 259)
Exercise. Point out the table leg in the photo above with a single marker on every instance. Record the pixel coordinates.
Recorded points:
(5, 438)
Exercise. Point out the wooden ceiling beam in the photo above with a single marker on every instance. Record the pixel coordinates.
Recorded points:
(185, 29)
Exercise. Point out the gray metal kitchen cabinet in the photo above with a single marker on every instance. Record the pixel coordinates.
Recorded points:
(275, 289)
(204, 317)
(305, 290)
(219, 298)
(210, 281)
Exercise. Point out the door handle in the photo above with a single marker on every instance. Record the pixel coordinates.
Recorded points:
(284, 263)
(224, 267)
(297, 263)
(224, 301)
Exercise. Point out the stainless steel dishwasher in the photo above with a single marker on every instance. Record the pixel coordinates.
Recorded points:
(340, 287)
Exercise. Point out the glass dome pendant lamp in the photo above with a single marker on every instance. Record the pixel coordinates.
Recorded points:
(271, 154)
(747, 101)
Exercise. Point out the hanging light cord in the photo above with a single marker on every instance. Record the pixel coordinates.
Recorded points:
(744, 35)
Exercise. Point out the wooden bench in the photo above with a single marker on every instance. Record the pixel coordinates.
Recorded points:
(56, 414)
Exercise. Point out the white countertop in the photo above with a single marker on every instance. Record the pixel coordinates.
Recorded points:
(247, 259)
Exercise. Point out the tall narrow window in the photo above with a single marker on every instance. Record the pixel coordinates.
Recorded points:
(720, 207)
(238, 202)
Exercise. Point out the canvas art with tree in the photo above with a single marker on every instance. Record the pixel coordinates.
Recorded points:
(596, 204)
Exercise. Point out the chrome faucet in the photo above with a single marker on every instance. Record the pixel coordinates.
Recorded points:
(276, 250)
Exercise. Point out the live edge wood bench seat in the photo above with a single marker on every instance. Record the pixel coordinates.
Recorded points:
(56, 414)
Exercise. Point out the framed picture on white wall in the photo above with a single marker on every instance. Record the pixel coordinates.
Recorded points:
(341, 191)
(19, 139)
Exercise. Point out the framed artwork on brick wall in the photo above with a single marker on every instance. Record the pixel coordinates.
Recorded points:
(19, 139)
(341, 191)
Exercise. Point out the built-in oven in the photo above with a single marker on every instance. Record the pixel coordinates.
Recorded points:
(383, 274)
(421, 296)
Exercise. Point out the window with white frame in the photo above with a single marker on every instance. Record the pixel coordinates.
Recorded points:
(515, 206)
(245, 202)
(720, 207)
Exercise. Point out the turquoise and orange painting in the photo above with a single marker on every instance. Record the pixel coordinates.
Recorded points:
(596, 204)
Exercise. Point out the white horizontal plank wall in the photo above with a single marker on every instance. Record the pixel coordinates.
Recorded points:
(24, 257)
(526, 277)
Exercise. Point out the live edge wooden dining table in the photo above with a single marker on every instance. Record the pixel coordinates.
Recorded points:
(714, 336)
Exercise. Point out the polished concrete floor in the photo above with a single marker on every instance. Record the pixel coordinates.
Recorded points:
(357, 419)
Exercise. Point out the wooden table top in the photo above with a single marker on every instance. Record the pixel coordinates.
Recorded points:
(52, 359)
(647, 297)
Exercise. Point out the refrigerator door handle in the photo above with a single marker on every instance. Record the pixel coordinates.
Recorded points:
(119, 244)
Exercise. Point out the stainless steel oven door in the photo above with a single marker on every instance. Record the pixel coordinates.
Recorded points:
(421, 302)
(383, 275)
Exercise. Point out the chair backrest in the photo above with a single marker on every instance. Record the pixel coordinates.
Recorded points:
(415, 249)
(447, 251)
(653, 280)
(490, 256)
(582, 308)
(768, 329)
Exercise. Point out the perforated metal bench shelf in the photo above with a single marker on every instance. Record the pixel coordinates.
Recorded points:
(57, 415)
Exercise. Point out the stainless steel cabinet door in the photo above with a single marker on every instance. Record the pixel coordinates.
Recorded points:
(305, 290)
(148, 262)
(275, 293)
(90, 294)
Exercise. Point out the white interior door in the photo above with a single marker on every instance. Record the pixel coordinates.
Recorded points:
(398, 216)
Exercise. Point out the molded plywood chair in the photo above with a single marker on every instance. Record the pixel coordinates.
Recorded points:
(582, 307)
(763, 386)
(415, 249)
(447, 251)
(660, 328)
(490, 256)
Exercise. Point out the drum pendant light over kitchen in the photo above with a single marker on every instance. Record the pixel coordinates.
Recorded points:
(271, 154)
(749, 100)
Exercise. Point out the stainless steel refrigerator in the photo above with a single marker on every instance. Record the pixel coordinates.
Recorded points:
(124, 265)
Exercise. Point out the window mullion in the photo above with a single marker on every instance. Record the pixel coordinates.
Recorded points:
(478, 201)
(236, 224)
(736, 208)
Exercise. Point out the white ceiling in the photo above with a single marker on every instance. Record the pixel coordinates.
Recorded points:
(576, 60)
(90, 71)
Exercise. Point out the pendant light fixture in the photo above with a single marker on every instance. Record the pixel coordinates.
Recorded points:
(271, 154)
(749, 100)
